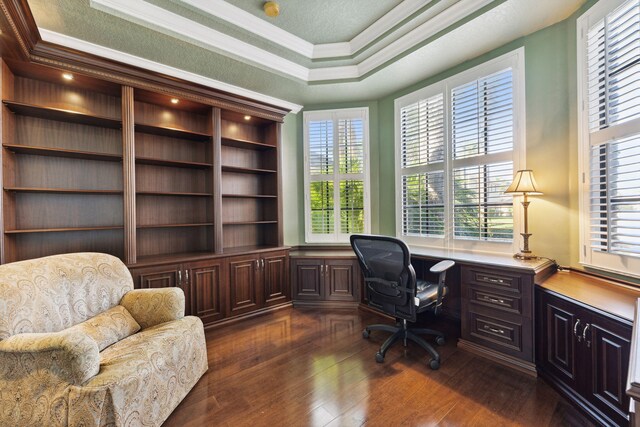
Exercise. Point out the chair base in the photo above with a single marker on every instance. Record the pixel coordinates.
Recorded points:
(403, 332)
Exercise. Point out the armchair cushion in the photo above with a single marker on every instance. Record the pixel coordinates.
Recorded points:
(109, 327)
(71, 357)
(151, 307)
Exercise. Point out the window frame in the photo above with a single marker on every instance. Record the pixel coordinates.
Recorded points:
(514, 60)
(605, 261)
(335, 115)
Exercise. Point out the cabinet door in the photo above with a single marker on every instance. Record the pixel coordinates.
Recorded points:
(163, 276)
(275, 278)
(340, 279)
(559, 344)
(207, 281)
(609, 343)
(244, 290)
(307, 279)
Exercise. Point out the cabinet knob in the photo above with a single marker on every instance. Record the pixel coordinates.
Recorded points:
(584, 335)
(575, 330)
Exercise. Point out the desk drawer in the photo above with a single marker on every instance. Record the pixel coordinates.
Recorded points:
(499, 281)
(491, 299)
(508, 334)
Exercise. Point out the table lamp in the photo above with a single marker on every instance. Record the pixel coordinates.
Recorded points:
(524, 184)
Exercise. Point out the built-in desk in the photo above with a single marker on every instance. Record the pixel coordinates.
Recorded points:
(491, 295)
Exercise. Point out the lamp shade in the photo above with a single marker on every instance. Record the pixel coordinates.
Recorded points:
(524, 183)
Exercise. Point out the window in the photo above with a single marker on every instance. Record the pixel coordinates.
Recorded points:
(609, 79)
(336, 164)
(458, 144)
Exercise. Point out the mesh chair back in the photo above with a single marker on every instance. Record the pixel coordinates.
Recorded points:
(390, 281)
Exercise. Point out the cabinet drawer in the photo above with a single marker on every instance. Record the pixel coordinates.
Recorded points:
(487, 298)
(499, 281)
(508, 334)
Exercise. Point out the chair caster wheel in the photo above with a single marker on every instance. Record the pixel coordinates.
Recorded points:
(440, 340)
(434, 364)
(365, 333)
(379, 357)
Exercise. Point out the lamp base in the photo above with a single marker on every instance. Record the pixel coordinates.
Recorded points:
(526, 256)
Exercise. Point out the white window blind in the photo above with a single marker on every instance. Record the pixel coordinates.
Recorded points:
(458, 142)
(336, 183)
(422, 164)
(482, 125)
(610, 139)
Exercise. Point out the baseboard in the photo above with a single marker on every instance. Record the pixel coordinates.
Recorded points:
(241, 317)
(525, 367)
(349, 305)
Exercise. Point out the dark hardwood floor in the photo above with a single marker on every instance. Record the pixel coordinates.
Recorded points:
(313, 368)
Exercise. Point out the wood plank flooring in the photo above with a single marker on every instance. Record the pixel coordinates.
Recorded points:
(302, 367)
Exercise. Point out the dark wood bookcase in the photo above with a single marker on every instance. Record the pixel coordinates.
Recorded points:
(90, 165)
(61, 164)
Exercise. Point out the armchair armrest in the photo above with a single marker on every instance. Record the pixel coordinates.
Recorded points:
(442, 266)
(151, 307)
(72, 357)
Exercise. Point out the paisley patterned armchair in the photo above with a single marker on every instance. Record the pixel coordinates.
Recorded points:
(80, 347)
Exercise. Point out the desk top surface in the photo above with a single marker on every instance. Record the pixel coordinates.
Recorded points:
(466, 257)
(606, 295)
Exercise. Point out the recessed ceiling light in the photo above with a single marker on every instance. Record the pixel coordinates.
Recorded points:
(247, 117)
(67, 76)
(174, 100)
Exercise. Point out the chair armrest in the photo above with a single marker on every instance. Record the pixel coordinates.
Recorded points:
(151, 307)
(442, 266)
(72, 357)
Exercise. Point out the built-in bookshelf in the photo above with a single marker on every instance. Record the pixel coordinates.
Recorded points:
(174, 176)
(62, 164)
(249, 185)
(90, 165)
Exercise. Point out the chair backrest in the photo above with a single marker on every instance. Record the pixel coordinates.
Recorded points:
(56, 292)
(390, 280)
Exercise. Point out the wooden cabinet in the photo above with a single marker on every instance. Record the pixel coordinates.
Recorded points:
(497, 313)
(208, 290)
(222, 287)
(325, 280)
(585, 354)
(257, 281)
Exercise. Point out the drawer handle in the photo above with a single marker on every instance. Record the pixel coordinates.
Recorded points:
(494, 330)
(575, 329)
(492, 280)
(584, 335)
(493, 300)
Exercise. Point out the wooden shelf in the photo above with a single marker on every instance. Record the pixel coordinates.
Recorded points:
(62, 152)
(243, 143)
(172, 193)
(249, 222)
(249, 196)
(231, 250)
(174, 257)
(62, 230)
(172, 132)
(172, 163)
(195, 224)
(60, 190)
(61, 115)
(237, 169)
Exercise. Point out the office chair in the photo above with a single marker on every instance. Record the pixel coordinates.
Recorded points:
(391, 287)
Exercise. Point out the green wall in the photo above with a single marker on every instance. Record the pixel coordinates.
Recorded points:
(551, 143)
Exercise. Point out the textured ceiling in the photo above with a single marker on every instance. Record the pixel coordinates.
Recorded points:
(493, 26)
(326, 21)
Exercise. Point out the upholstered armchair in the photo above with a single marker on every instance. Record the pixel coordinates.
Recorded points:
(80, 347)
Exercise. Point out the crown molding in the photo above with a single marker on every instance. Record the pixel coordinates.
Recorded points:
(247, 21)
(442, 15)
(159, 19)
(136, 61)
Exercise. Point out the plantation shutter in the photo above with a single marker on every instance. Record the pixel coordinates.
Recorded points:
(336, 197)
(482, 138)
(422, 167)
(613, 118)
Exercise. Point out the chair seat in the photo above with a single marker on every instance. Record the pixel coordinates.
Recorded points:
(427, 293)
